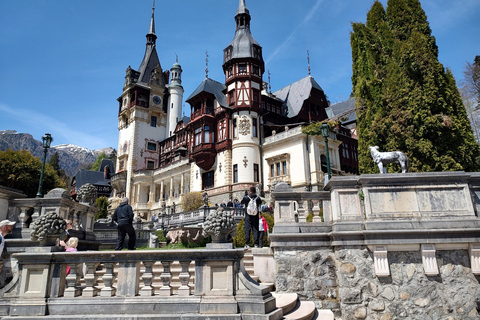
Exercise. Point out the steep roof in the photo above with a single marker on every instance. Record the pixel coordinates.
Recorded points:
(343, 110)
(211, 86)
(92, 177)
(295, 94)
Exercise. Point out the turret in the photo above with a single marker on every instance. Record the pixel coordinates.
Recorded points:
(175, 99)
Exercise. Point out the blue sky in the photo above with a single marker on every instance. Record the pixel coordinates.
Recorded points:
(63, 62)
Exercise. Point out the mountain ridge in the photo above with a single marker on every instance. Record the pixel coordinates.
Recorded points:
(71, 157)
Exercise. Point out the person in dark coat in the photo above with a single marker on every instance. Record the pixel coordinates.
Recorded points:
(251, 222)
(123, 216)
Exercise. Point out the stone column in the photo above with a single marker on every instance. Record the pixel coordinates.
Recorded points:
(181, 185)
(162, 190)
(171, 187)
(152, 192)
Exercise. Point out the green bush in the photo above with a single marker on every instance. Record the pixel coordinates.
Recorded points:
(239, 239)
(161, 235)
(311, 215)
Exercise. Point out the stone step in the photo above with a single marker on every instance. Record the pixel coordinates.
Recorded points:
(324, 314)
(286, 301)
(305, 311)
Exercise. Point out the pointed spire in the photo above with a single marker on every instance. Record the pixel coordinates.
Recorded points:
(269, 83)
(206, 64)
(151, 36)
(242, 8)
(308, 60)
(242, 16)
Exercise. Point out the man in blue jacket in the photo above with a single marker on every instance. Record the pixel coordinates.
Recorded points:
(123, 216)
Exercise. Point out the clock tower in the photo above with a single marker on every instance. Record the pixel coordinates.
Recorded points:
(142, 115)
(243, 66)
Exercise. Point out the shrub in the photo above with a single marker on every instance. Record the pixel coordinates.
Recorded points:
(102, 204)
(192, 201)
(239, 239)
(161, 235)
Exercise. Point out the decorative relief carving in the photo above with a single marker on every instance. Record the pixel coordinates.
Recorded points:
(245, 161)
(244, 125)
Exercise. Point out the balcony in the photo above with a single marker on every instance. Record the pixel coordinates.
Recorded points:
(204, 155)
(119, 181)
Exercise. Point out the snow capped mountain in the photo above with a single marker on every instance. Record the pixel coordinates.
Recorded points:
(71, 157)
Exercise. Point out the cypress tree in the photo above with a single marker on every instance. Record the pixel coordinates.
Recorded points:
(405, 98)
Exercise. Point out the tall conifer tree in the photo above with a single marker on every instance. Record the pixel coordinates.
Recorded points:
(405, 98)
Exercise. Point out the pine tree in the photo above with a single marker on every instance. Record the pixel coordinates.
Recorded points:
(405, 99)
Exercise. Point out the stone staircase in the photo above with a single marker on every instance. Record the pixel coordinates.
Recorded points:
(292, 307)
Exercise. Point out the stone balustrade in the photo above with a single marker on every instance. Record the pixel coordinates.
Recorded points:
(136, 282)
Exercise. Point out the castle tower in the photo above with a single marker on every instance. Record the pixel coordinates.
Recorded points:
(175, 99)
(142, 117)
(244, 67)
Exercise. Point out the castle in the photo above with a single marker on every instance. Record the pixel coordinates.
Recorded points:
(238, 134)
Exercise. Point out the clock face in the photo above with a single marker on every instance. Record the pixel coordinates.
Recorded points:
(157, 99)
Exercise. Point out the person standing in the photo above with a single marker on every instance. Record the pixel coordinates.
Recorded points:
(123, 216)
(262, 228)
(6, 227)
(251, 216)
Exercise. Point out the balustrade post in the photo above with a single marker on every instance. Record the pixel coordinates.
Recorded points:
(108, 290)
(90, 280)
(184, 277)
(316, 210)
(147, 289)
(73, 281)
(166, 277)
(128, 278)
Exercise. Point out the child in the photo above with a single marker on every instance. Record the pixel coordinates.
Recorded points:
(72, 244)
(262, 227)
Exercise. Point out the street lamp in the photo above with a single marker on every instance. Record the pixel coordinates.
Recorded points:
(325, 132)
(46, 141)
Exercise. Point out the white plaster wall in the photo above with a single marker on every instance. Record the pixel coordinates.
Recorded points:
(195, 179)
(175, 113)
(296, 149)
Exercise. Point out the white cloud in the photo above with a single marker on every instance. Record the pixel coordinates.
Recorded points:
(292, 35)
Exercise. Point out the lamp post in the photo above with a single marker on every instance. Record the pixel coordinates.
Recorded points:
(325, 132)
(46, 140)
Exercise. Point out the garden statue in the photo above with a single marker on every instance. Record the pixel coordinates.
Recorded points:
(205, 199)
(87, 194)
(384, 158)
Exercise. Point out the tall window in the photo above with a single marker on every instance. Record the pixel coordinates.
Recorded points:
(272, 170)
(235, 173)
(150, 165)
(153, 121)
(278, 169)
(206, 133)
(235, 132)
(255, 173)
(198, 136)
(284, 167)
(208, 180)
(254, 127)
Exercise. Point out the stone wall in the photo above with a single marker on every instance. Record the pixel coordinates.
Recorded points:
(396, 246)
(345, 282)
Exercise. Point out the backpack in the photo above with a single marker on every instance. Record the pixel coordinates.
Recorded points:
(252, 208)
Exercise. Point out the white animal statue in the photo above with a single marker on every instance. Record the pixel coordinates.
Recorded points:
(384, 158)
